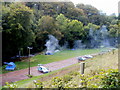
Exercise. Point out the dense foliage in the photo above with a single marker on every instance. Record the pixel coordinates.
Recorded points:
(17, 33)
(96, 79)
(30, 23)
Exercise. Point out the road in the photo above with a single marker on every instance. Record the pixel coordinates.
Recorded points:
(22, 74)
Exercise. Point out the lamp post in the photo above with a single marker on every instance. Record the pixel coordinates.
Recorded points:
(29, 60)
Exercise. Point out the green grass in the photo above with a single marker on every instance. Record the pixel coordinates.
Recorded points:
(44, 59)
(106, 61)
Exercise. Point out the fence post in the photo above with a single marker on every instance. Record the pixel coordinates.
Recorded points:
(82, 67)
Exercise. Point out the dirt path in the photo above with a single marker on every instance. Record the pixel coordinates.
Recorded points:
(21, 74)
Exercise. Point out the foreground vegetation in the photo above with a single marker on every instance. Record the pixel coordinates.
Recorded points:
(96, 79)
(44, 59)
(100, 72)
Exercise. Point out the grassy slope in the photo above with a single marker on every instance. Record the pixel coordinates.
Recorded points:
(44, 59)
(106, 61)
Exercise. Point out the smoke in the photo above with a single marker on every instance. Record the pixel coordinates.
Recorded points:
(99, 38)
(78, 44)
(51, 45)
(94, 38)
(65, 46)
(104, 34)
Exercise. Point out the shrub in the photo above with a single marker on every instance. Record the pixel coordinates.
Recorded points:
(101, 79)
(73, 73)
(38, 84)
(111, 79)
(8, 85)
(67, 78)
(57, 82)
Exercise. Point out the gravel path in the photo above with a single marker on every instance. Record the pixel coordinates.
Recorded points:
(21, 74)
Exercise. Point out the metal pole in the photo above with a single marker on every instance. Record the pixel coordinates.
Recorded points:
(29, 63)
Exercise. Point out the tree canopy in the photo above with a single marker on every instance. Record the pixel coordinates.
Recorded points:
(29, 24)
(17, 32)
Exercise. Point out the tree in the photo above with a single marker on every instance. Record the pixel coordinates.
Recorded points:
(92, 14)
(46, 26)
(93, 26)
(17, 33)
(75, 31)
(113, 30)
(62, 23)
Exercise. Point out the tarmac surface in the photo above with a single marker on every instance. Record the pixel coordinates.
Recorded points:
(22, 74)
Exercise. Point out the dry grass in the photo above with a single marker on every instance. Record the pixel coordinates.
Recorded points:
(105, 61)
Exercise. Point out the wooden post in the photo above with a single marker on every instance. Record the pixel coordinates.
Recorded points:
(82, 67)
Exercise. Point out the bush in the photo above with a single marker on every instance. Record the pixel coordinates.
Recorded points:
(96, 79)
(73, 73)
(101, 79)
(57, 82)
(8, 85)
(67, 78)
(38, 84)
(111, 79)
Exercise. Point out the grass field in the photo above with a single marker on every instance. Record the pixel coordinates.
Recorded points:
(105, 61)
(44, 59)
